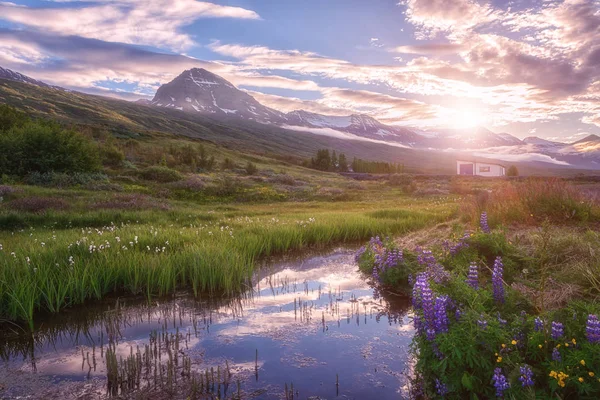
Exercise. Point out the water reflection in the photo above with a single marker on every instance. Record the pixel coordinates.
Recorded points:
(311, 323)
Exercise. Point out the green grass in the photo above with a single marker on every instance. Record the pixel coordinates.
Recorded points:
(210, 250)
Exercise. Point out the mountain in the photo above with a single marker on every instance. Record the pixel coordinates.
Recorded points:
(198, 90)
(18, 77)
(534, 140)
(589, 139)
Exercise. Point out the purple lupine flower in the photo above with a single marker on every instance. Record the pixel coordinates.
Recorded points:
(419, 324)
(557, 330)
(461, 244)
(482, 323)
(411, 281)
(538, 324)
(360, 253)
(500, 382)
(458, 314)
(501, 321)
(441, 316)
(473, 277)
(376, 294)
(375, 242)
(556, 355)
(441, 388)
(483, 222)
(592, 329)
(417, 292)
(428, 307)
(497, 282)
(526, 377)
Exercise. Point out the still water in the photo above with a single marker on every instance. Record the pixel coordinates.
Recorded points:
(308, 323)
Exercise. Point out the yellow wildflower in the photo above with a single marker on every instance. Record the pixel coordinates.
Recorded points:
(582, 362)
(513, 342)
(574, 341)
(503, 346)
(591, 374)
(566, 344)
(499, 359)
(581, 380)
(540, 346)
(558, 346)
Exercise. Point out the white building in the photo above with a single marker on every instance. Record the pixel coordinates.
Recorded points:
(479, 168)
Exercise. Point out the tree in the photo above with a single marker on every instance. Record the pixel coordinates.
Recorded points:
(334, 162)
(342, 163)
(512, 171)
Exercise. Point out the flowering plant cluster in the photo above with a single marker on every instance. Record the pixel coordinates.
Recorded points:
(472, 335)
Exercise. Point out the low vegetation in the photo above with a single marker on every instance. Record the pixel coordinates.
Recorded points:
(506, 313)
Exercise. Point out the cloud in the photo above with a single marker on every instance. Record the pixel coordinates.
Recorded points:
(429, 48)
(525, 157)
(150, 22)
(341, 135)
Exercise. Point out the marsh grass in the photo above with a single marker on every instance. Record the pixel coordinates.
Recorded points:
(46, 270)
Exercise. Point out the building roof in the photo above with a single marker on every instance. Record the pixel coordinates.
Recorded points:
(481, 162)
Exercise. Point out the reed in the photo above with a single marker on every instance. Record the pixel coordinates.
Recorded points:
(46, 270)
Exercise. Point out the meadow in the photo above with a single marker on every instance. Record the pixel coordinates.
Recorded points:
(506, 302)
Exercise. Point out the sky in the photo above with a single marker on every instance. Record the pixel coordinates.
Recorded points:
(525, 67)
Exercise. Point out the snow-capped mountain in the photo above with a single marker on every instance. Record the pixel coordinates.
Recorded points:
(198, 90)
(356, 124)
(6, 73)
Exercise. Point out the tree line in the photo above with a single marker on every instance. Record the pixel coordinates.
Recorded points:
(325, 160)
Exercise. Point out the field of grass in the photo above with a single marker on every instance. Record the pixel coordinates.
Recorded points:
(67, 257)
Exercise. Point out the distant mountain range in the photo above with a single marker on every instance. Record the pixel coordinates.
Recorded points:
(198, 91)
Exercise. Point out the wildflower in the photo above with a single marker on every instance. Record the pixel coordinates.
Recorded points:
(557, 330)
(441, 388)
(514, 342)
(499, 359)
(540, 346)
(482, 324)
(503, 346)
(526, 377)
(538, 324)
(556, 355)
(500, 382)
(497, 282)
(582, 362)
(580, 380)
(591, 374)
(483, 222)
(473, 277)
(574, 341)
(441, 316)
(592, 330)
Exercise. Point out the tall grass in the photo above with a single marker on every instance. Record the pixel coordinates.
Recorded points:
(530, 202)
(49, 270)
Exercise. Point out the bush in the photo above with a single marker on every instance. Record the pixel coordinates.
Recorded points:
(227, 164)
(38, 204)
(111, 156)
(58, 179)
(512, 171)
(160, 174)
(251, 168)
(130, 202)
(46, 146)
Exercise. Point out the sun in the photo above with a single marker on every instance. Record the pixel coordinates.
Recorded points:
(468, 119)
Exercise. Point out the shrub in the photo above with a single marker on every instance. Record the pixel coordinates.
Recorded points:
(227, 164)
(512, 171)
(192, 184)
(251, 168)
(6, 191)
(399, 180)
(46, 146)
(58, 179)
(131, 202)
(111, 156)
(161, 174)
(38, 204)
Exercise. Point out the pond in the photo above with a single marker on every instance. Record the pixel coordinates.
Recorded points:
(309, 329)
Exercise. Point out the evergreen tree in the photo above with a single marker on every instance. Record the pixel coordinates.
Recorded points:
(342, 163)
(334, 162)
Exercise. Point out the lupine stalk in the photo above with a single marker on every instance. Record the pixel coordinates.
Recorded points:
(557, 330)
(483, 222)
(497, 282)
(500, 382)
(526, 377)
(592, 329)
(473, 277)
